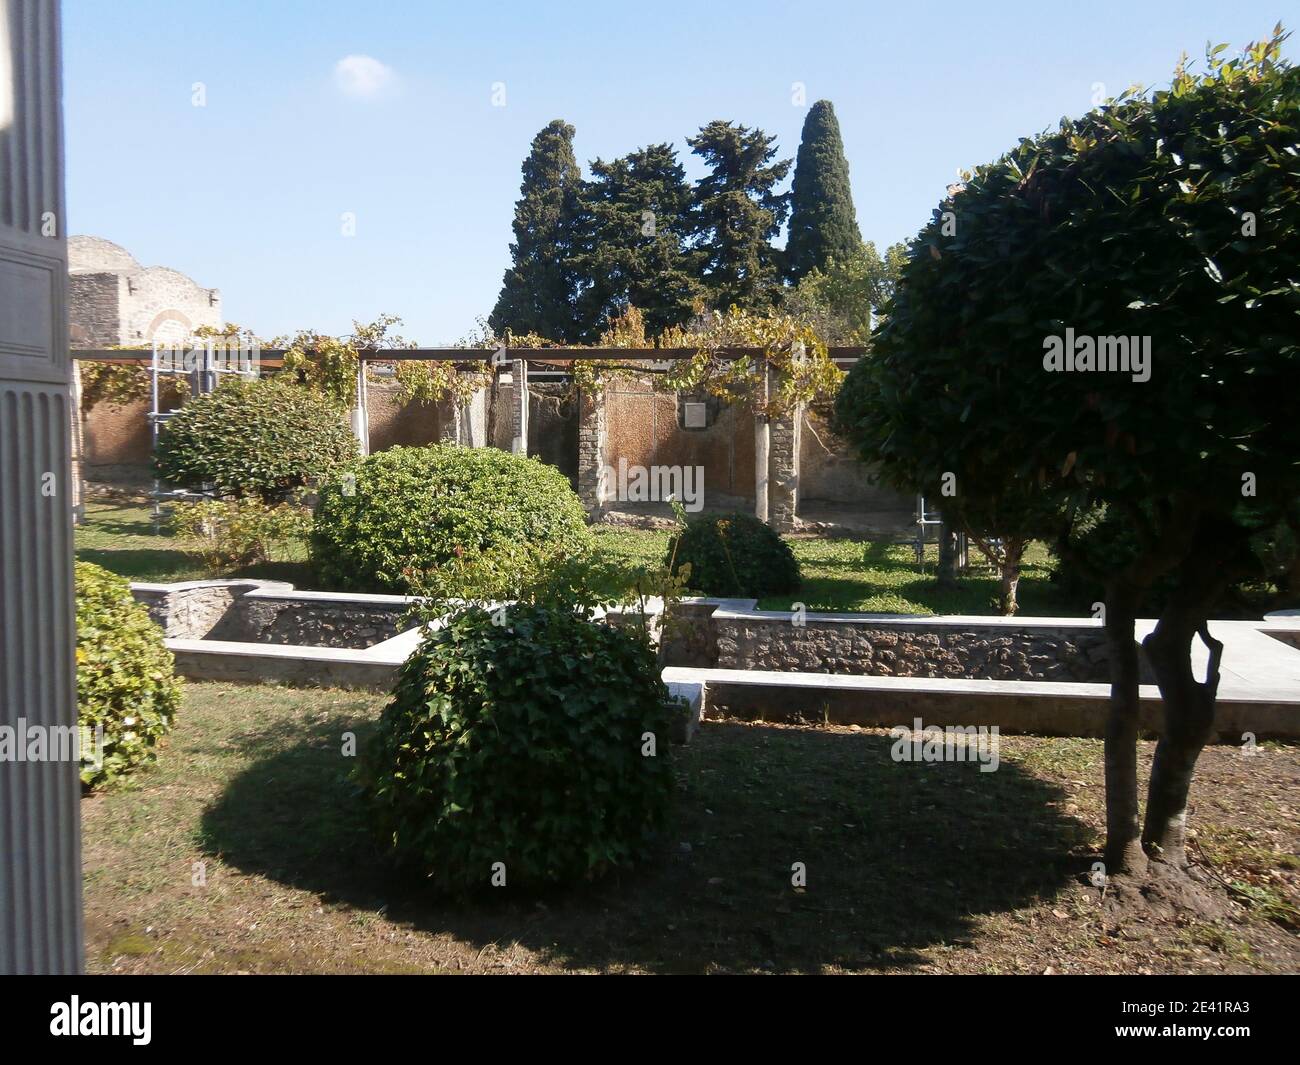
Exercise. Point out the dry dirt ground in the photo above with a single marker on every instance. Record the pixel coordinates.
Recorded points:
(246, 850)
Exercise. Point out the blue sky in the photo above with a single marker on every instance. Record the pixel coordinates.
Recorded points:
(246, 193)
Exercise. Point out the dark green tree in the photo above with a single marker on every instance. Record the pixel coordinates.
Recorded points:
(1151, 245)
(633, 245)
(739, 214)
(823, 223)
(537, 293)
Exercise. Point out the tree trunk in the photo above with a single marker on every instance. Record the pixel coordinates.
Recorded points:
(1009, 567)
(1189, 724)
(1123, 845)
(947, 572)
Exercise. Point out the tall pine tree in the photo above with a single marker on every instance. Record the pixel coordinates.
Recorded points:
(739, 214)
(823, 223)
(537, 294)
(632, 249)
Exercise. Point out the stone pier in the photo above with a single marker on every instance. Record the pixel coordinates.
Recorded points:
(519, 407)
(592, 439)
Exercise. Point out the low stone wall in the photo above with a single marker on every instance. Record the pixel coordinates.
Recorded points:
(318, 623)
(876, 650)
(196, 610)
(256, 611)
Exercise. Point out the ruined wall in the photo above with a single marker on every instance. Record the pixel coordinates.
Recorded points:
(114, 300)
(643, 428)
(118, 442)
(394, 420)
(553, 427)
(94, 309)
(836, 486)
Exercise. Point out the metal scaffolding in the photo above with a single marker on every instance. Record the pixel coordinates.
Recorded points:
(203, 370)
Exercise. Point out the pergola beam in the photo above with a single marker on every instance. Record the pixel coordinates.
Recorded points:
(557, 356)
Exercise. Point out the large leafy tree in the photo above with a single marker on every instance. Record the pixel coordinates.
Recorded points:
(823, 222)
(537, 293)
(840, 298)
(633, 242)
(1170, 218)
(740, 212)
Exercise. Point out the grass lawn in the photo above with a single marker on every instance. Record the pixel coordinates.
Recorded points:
(121, 538)
(838, 574)
(874, 577)
(910, 867)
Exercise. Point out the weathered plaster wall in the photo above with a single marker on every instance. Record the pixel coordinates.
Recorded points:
(642, 427)
(395, 421)
(553, 427)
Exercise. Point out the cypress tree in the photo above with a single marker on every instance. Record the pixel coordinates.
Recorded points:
(823, 223)
(537, 293)
(739, 214)
(635, 224)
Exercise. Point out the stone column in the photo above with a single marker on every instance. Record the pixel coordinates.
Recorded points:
(519, 407)
(474, 420)
(361, 411)
(782, 467)
(783, 481)
(77, 446)
(592, 438)
(40, 825)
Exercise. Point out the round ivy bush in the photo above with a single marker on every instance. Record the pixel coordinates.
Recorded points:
(125, 680)
(734, 555)
(523, 743)
(386, 520)
(263, 438)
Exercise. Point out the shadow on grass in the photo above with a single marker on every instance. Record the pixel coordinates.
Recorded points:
(899, 856)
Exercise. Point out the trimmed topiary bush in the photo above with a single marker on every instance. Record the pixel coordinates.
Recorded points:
(398, 514)
(734, 555)
(263, 438)
(125, 679)
(524, 744)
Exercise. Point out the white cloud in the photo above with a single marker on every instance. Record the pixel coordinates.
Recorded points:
(363, 76)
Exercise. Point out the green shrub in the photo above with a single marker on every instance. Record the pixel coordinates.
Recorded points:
(521, 743)
(388, 520)
(262, 438)
(232, 534)
(125, 681)
(734, 555)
